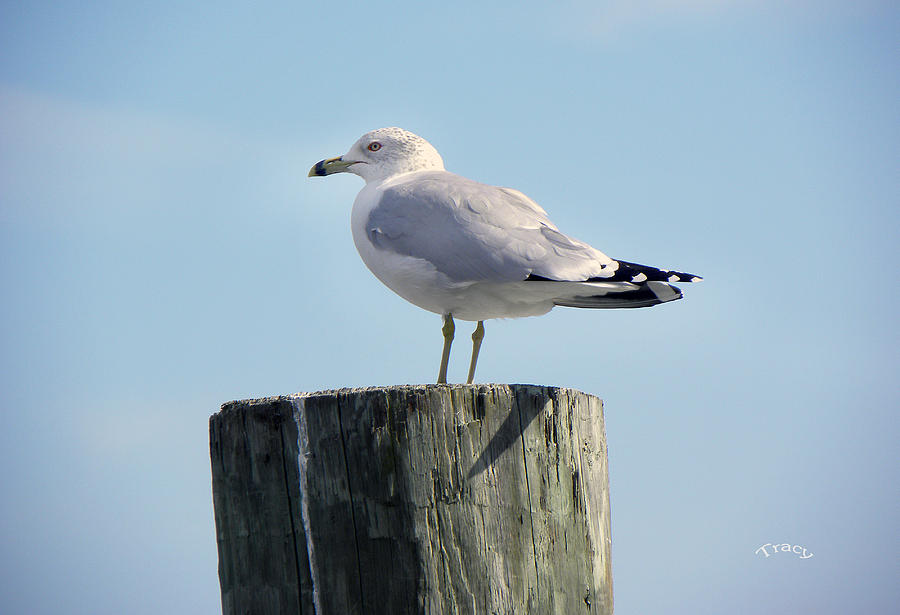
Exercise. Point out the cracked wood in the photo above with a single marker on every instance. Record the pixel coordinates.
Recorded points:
(416, 499)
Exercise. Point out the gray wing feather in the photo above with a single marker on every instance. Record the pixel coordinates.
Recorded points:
(475, 232)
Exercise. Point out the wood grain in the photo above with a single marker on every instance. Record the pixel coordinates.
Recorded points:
(415, 499)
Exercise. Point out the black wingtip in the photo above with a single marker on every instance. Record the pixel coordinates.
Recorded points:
(533, 277)
(636, 273)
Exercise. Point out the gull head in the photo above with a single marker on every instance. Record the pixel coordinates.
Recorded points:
(381, 154)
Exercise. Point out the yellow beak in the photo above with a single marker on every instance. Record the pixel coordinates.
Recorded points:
(329, 166)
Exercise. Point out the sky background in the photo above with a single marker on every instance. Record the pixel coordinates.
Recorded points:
(162, 251)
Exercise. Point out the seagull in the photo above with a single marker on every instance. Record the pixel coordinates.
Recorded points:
(472, 251)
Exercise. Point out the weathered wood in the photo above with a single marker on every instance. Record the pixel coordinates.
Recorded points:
(418, 499)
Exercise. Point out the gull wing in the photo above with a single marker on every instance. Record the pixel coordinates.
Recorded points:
(473, 232)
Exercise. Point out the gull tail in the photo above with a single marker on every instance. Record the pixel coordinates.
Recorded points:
(645, 295)
(630, 286)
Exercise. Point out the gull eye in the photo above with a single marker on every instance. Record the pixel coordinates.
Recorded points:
(374, 146)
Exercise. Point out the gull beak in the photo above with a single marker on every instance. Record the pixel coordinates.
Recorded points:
(329, 166)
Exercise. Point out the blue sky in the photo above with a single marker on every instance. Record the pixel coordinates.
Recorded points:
(164, 252)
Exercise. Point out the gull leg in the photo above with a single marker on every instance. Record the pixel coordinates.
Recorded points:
(448, 330)
(477, 336)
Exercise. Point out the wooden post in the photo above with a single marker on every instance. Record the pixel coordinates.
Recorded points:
(430, 499)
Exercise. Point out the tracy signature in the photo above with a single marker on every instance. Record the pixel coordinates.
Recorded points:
(785, 547)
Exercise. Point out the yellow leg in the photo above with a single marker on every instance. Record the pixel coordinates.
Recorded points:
(448, 330)
(477, 336)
